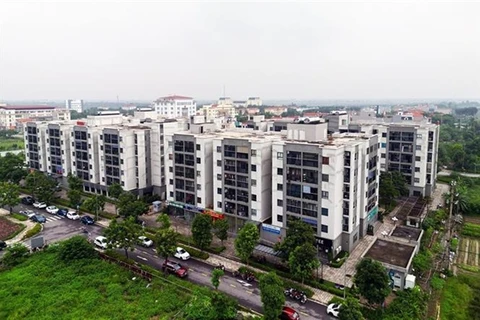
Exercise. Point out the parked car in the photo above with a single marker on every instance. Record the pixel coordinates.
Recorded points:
(62, 212)
(28, 213)
(333, 309)
(144, 241)
(87, 220)
(38, 218)
(182, 254)
(101, 242)
(52, 209)
(3, 245)
(289, 314)
(175, 268)
(73, 215)
(28, 200)
(40, 205)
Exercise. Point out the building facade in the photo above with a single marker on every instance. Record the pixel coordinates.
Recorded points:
(11, 116)
(74, 105)
(173, 107)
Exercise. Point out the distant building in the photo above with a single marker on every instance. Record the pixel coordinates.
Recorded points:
(173, 107)
(74, 105)
(12, 116)
(254, 101)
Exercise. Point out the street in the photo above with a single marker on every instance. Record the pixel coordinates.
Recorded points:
(59, 228)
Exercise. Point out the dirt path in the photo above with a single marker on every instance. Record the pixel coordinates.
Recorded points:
(476, 256)
(465, 257)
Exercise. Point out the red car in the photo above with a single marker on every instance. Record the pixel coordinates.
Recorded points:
(289, 314)
(175, 268)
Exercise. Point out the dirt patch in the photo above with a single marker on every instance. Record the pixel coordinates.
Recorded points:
(7, 228)
(471, 219)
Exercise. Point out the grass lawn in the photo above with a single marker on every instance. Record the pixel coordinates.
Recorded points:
(11, 144)
(43, 287)
(461, 297)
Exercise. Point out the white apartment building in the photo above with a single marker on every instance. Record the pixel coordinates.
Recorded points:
(329, 182)
(74, 105)
(12, 117)
(254, 102)
(102, 150)
(173, 107)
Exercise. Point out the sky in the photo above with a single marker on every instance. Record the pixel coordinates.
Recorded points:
(274, 50)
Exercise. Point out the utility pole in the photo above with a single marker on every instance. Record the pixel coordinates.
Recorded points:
(452, 194)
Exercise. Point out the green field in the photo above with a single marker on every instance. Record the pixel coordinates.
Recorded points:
(43, 287)
(11, 144)
(460, 298)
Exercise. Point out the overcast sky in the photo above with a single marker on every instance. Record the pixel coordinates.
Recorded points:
(272, 50)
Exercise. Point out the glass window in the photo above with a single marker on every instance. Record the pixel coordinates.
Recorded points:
(325, 177)
(324, 211)
(324, 228)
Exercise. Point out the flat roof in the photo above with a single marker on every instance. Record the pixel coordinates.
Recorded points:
(390, 252)
(407, 233)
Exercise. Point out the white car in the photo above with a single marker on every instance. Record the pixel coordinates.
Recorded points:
(40, 205)
(101, 242)
(28, 213)
(333, 309)
(73, 215)
(52, 209)
(180, 253)
(144, 241)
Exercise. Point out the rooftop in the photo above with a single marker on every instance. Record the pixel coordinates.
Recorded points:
(175, 97)
(407, 233)
(390, 252)
(27, 107)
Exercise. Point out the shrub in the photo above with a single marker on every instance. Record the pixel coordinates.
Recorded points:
(19, 217)
(76, 248)
(15, 255)
(197, 253)
(32, 232)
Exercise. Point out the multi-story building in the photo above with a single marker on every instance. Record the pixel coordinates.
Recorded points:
(74, 105)
(11, 116)
(329, 182)
(254, 102)
(173, 107)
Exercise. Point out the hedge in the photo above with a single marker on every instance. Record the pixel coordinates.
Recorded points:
(19, 216)
(339, 260)
(35, 230)
(66, 203)
(197, 253)
(189, 241)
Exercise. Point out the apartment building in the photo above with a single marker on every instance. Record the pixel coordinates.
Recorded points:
(175, 106)
(74, 105)
(102, 150)
(327, 181)
(12, 116)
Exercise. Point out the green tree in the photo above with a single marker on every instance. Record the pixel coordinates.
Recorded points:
(114, 191)
(216, 275)
(75, 197)
(166, 239)
(41, 186)
(95, 204)
(387, 190)
(9, 195)
(246, 241)
(74, 182)
(303, 260)
(372, 280)
(164, 221)
(271, 293)
(214, 307)
(15, 255)
(298, 233)
(409, 304)
(129, 206)
(422, 262)
(202, 231)
(123, 234)
(76, 248)
(400, 183)
(12, 167)
(350, 310)
(221, 227)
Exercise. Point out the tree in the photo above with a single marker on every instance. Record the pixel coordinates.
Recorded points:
(246, 241)
(9, 195)
(298, 233)
(129, 206)
(387, 190)
(41, 186)
(216, 275)
(114, 191)
(271, 293)
(409, 304)
(74, 182)
(213, 307)
(221, 227)
(12, 167)
(351, 310)
(76, 248)
(372, 280)
(15, 255)
(123, 234)
(95, 204)
(164, 221)
(166, 239)
(303, 260)
(202, 231)
(75, 197)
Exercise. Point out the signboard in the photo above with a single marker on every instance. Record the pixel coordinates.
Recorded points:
(270, 228)
(214, 214)
(310, 221)
(193, 208)
(372, 213)
(175, 204)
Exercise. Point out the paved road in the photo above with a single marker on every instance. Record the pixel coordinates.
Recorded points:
(60, 228)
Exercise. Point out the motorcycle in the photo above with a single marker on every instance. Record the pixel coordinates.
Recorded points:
(248, 276)
(220, 267)
(296, 294)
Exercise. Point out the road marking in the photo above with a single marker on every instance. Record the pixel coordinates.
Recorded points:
(144, 259)
(204, 274)
(232, 285)
(191, 269)
(305, 314)
(146, 252)
(249, 292)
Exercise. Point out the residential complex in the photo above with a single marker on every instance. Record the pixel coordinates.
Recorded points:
(12, 117)
(173, 107)
(74, 105)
